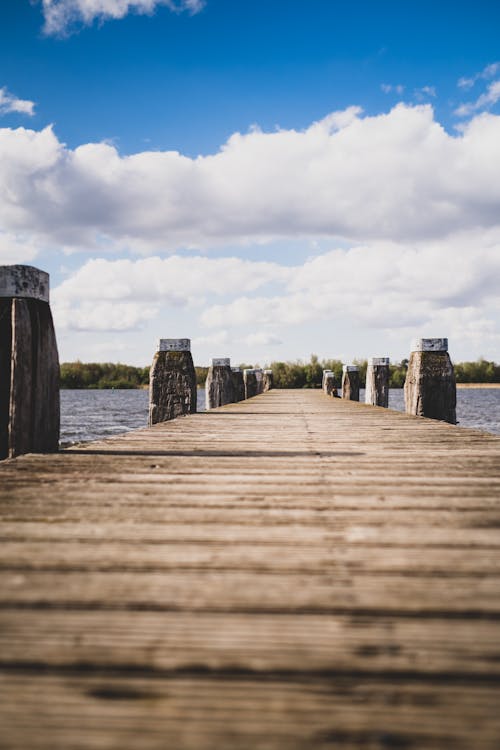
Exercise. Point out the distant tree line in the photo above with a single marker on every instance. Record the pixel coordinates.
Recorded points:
(296, 374)
(102, 375)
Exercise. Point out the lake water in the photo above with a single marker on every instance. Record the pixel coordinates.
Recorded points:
(92, 415)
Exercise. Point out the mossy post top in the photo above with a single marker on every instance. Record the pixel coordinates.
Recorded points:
(174, 345)
(429, 345)
(378, 361)
(350, 368)
(24, 281)
(221, 362)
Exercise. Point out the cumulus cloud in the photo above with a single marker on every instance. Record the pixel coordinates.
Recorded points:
(490, 97)
(414, 288)
(382, 285)
(10, 103)
(137, 289)
(62, 15)
(395, 176)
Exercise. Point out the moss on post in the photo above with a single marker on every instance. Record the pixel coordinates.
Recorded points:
(430, 388)
(172, 381)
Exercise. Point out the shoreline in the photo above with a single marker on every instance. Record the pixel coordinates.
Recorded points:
(478, 385)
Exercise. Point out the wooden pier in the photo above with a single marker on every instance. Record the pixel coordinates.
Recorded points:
(288, 572)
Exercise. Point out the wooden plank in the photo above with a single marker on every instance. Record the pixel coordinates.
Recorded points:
(239, 713)
(175, 641)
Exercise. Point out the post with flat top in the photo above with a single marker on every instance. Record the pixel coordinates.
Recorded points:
(377, 382)
(172, 381)
(430, 388)
(329, 387)
(250, 382)
(259, 375)
(350, 382)
(238, 384)
(268, 381)
(29, 364)
(219, 388)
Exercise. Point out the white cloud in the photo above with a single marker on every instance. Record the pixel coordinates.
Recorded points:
(425, 92)
(61, 15)
(389, 88)
(488, 72)
(396, 176)
(488, 99)
(262, 339)
(16, 249)
(138, 289)
(383, 286)
(10, 103)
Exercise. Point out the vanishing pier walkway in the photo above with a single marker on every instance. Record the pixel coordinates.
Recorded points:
(287, 572)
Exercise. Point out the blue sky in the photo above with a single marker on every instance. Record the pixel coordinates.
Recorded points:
(180, 173)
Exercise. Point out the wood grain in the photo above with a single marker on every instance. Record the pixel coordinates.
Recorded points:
(292, 571)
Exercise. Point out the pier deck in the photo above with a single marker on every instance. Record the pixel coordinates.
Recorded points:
(288, 572)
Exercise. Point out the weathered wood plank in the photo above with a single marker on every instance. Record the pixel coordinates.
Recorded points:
(241, 713)
(298, 644)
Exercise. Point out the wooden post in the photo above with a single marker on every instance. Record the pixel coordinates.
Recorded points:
(430, 388)
(250, 383)
(377, 381)
(172, 381)
(323, 381)
(329, 387)
(350, 382)
(219, 383)
(259, 374)
(268, 383)
(29, 364)
(238, 384)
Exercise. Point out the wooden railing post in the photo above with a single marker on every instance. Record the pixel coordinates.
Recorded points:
(259, 375)
(238, 384)
(350, 382)
(329, 387)
(219, 383)
(250, 380)
(29, 364)
(323, 381)
(172, 381)
(268, 383)
(377, 381)
(430, 388)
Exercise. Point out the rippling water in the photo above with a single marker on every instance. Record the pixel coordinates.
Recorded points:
(92, 415)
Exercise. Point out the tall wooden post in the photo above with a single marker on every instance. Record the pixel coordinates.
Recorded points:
(350, 382)
(250, 383)
(172, 381)
(29, 364)
(219, 383)
(323, 381)
(268, 382)
(329, 387)
(430, 388)
(377, 381)
(238, 384)
(259, 375)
